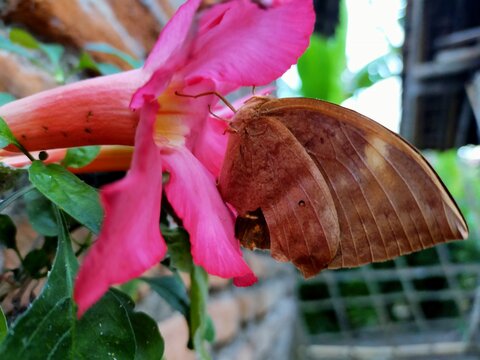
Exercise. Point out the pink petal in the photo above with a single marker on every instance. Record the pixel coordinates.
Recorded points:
(173, 37)
(130, 241)
(210, 145)
(88, 112)
(169, 53)
(192, 192)
(241, 44)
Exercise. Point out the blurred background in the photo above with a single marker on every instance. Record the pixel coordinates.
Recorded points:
(411, 65)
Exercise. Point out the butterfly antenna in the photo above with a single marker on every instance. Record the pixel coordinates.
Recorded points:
(215, 115)
(224, 100)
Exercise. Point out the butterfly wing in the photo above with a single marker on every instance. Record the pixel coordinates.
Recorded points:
(266, 170)
(388, 200)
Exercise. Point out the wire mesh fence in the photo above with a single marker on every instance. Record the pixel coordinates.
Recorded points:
(395, 309)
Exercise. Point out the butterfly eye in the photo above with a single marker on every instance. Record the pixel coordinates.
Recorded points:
(301, 203)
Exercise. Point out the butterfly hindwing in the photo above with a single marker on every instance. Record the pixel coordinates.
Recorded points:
(388, 200)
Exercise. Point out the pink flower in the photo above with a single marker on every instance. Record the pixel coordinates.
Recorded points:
(238, 43)
(233, 44)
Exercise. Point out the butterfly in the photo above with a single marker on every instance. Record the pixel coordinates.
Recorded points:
(324, 187)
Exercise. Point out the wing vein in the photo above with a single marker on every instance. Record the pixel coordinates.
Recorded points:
(413, 194)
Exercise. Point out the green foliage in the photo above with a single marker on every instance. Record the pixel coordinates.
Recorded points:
(23, 38)
(3, 326)
(36, 261)
(7, 45)
(86, 62)
(53, 52)
(6, 135)
(172, 290)
(111, 328)
(80, 156)
(22, 43)
(320, 68)
(72, 195)
(178, 248)
(41, 213)
(376, 70)
(50, 328)
(200, 325)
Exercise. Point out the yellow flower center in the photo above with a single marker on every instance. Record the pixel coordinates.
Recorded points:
(170, 127)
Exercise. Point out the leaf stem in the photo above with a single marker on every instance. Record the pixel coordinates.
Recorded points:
(24, 151)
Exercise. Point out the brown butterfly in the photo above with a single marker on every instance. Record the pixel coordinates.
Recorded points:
(325, 187)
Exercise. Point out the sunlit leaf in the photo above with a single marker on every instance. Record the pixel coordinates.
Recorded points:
(86, 62)
(320, 68)
(23, 38)
(6, 135)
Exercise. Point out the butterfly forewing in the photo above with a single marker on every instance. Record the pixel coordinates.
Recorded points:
(266, 168)
(388, 200)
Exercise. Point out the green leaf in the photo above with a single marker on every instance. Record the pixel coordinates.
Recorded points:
(86, 62)
(23, 38)
(209, 330)
(199, 327)
(3, 325)
(8, 45)
(150, 344)
(36, 261)
(6, 135)
(178, 248)
(53, 52)
(41, 213)
(116, 331)
(8, 232)
(108, 49)
(6, 98)
(72, 195)
(172, 290)
(46, 324)
(328, 56)
(80, 156)
(50, 330)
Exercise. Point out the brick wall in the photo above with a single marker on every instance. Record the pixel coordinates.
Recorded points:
(251, 323)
